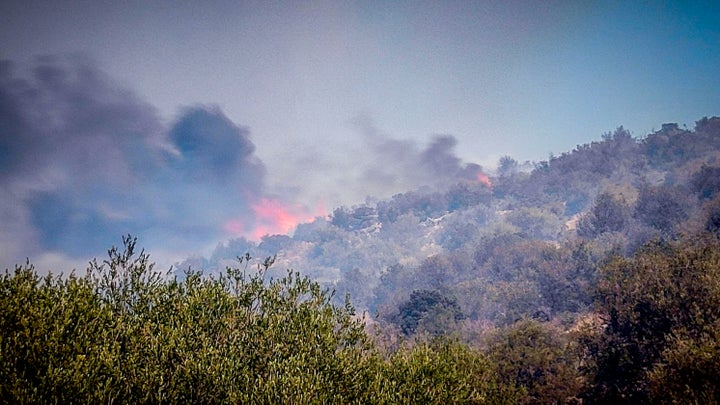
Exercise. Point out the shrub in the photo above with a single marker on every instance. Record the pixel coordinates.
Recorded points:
(124, 333)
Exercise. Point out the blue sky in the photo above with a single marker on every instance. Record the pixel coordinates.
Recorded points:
(331, 102)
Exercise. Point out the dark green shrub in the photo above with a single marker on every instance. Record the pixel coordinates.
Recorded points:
(124, 333)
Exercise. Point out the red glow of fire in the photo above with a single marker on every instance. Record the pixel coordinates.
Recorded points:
(272, 217)
(484, 179)
(320, 210)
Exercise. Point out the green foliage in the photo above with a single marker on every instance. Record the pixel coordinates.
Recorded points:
(662, 207)
(56, 339)
(609, 214)
(441, 371)
(464, 195)
(535, 223)
(124, 333)
(428, 308)
(672, 145)
(662, 311)
(574, 177)
(539, 360)
(689, 370)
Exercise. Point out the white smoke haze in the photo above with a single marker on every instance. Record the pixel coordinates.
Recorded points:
(85, 161)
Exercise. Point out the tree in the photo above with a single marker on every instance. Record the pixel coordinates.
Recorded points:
(538, 359)
(706, 182)
(507, 166)
(661, 310)
(464, 195)
(536, 223)
(437, 271)
(125, 333)
(341, 218)
(609, 214)
(429, 308)
(688, 371)
(712, 215)
(661, 207)
(441, 371)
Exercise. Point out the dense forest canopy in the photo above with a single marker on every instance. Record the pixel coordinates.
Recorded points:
(593, 278)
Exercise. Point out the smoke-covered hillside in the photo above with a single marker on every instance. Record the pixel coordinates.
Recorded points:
(592, 278)
(518, 243)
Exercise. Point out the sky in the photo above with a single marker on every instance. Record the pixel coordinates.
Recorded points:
(187, 123)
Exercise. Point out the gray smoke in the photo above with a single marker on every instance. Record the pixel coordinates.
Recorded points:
(83, 161)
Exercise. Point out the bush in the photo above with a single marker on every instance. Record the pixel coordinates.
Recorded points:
(124, 333)
(662, 314)
(609, 214)
(538, 360)
(441, 371)
(431, 309)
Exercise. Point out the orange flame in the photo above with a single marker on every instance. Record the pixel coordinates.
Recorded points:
(484, 179)
(272, 217)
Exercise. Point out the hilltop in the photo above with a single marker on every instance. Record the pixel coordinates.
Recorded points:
(490, 241)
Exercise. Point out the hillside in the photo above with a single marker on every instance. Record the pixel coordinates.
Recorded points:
(592, 278)
(486, 240)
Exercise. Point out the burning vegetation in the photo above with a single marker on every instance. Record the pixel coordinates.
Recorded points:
(593, 278)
